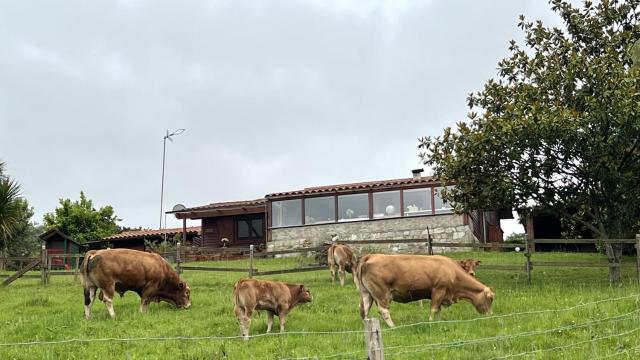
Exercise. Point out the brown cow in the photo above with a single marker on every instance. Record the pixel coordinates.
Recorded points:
(276, 297)
(344, 258)
(122, 270)
(406, 278)
(469, 265)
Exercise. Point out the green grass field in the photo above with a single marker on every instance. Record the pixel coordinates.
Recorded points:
(31, 312)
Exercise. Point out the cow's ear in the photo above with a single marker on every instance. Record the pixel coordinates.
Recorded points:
(181, 286)
(478, 262)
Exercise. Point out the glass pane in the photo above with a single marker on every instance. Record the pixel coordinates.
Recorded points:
(287, 213)
(442, 207)
(257, 225)
(386, 204)
(319, 210)
(417, 202)
(353, 207)
(243, 229)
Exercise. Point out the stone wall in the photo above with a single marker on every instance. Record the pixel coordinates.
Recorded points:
(443, 228)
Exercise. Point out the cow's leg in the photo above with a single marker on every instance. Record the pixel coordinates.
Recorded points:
(89, 297)
(341, 274)
(144, 304)
(282, 316)
(107, 298)
(239, 310)
(365, 304)
(383, 308)
(332, 268)
(421, 304)
(244, 317)
(437, 296)
(269, 320)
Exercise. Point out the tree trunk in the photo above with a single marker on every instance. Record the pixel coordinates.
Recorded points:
(614, 256)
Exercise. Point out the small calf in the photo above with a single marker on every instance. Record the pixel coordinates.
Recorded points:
(342, 257)
(276, 297)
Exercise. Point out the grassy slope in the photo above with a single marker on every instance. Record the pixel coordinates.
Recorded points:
(30, 311)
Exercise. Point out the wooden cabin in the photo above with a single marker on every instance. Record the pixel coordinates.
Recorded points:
(241, 223)
(57, 242)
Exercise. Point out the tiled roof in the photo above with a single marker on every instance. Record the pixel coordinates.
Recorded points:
(136, 234)
(225, 205)
(357, 186)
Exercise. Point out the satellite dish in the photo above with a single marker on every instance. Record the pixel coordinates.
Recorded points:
(178, 207)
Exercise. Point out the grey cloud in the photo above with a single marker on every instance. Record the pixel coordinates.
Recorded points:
(275, 95)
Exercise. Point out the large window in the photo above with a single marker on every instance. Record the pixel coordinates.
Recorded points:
(417, 202)
(250, 229)
(286, 213)
(353, 207)
(386, 204)
(441, 206)
(319, 210)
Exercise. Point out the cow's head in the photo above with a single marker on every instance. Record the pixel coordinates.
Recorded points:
(304, 295)
(469, 265)
(484, 300)
(177, 295)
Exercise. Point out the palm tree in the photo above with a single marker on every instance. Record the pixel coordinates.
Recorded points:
(9, 206)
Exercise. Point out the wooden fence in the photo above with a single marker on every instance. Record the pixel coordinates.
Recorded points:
(182, 256)
(527, 249)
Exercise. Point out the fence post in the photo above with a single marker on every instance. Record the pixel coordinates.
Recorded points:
(77, 269)
(250, 261)
(178, 259)
(638, 256)
(527, 254)
(43, 263)
(49, 263)
(373, 339)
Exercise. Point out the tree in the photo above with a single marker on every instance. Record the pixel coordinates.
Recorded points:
(558, 131)
(24, 240)
(80, 220)
(9, 206)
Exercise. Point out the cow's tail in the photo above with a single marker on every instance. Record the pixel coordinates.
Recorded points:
(357, 274)
(236, 296)
(84, 268)
(330, 258)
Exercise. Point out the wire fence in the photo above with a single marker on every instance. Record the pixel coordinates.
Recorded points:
(397, 350)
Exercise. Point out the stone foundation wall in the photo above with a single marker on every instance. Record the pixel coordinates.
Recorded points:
(443, 228)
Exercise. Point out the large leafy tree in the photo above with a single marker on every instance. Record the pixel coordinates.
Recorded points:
(558, 130)
(80, 220)
(24, 240)
(9, 206)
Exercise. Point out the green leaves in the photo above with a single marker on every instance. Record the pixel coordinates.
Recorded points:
(80, 220)
(558, 130)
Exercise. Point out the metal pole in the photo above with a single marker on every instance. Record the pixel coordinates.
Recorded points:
(164, 148)
(251, 261)
(429, 242)
(178, 257)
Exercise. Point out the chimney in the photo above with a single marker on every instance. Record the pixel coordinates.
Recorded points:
(417, 173)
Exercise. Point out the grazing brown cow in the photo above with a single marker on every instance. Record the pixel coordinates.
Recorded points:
(344, 258)
(276, 297)
(122, 270)
(469, 265)
(406, 278)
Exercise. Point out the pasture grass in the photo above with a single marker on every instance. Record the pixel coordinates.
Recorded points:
(32, 312)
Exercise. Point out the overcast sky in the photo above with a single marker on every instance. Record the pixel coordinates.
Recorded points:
(275, 95)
